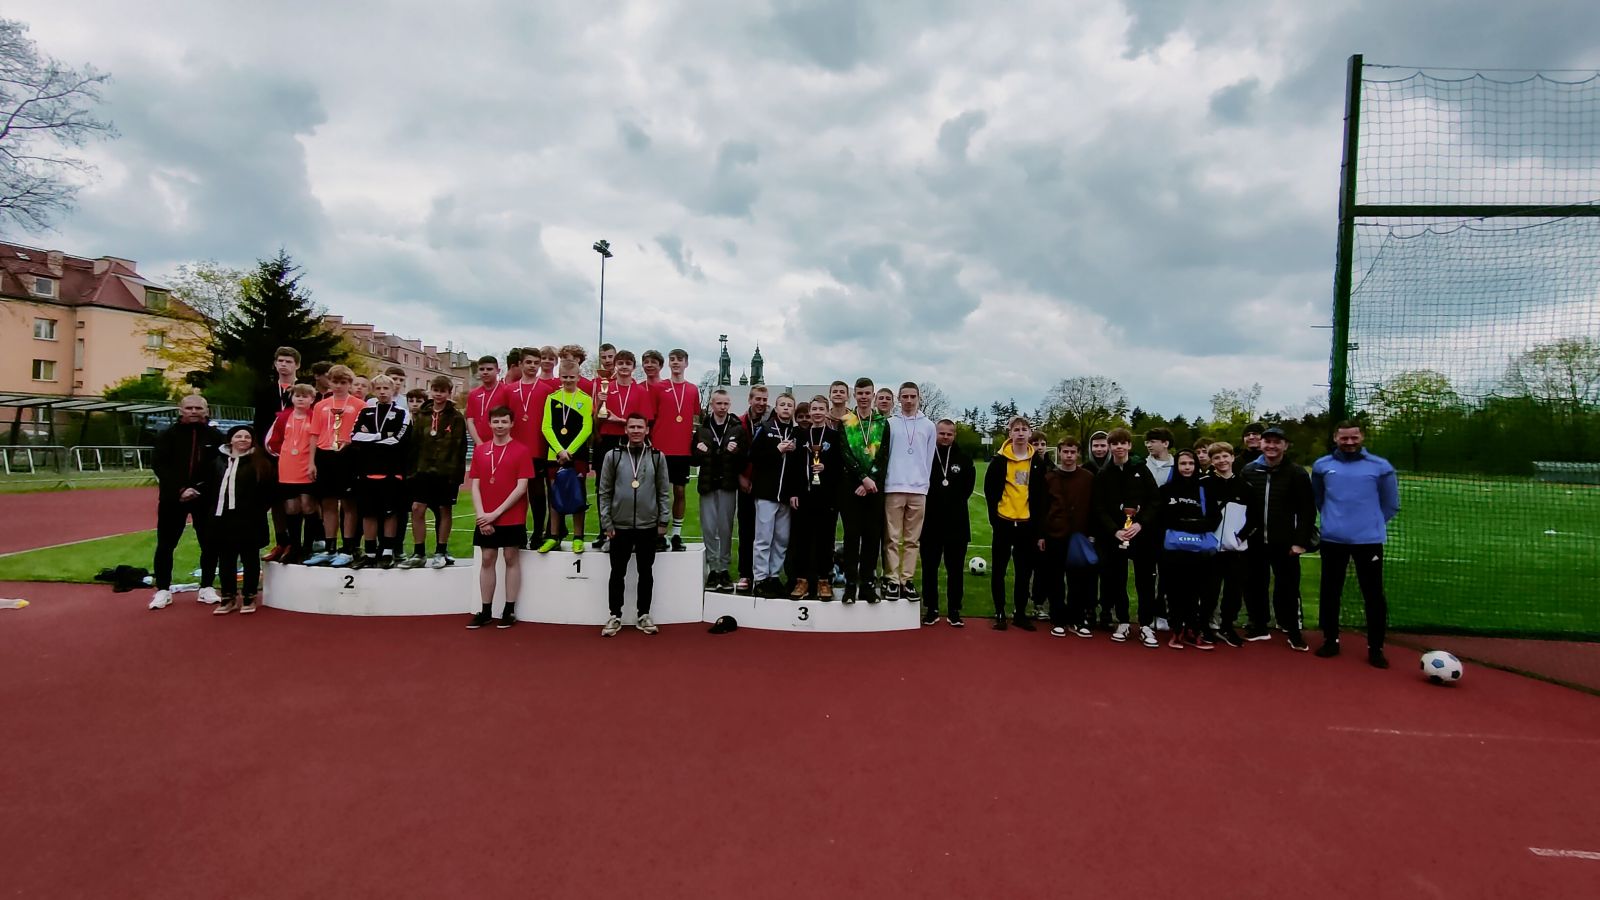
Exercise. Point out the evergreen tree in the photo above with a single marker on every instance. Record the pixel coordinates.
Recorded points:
(275, 311)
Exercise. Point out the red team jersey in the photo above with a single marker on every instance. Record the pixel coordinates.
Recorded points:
(635, 397)
(481, 399)
(677, 412)
(527, 405)
(496, 469)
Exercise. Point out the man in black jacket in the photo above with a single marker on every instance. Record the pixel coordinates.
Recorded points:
(946, 529)
(1125, 490)
(719, 451)
(1280, 515)
(182, 463)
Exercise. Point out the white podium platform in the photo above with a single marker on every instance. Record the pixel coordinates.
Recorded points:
(566, 588)
(372, 592)
(808, 615)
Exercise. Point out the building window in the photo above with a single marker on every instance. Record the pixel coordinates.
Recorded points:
(77, 355)
(43, 287)
(44, 329)
(44, 370)
(154, 299)
(155, 340)
(154, 373)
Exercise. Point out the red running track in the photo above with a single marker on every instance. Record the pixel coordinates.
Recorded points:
(47, 518)
(176, 754)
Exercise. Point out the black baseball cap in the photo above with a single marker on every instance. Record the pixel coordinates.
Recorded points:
(1275, 431)
(723, 625)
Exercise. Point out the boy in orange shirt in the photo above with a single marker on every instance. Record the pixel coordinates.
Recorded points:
(333, 421)
(291, 442)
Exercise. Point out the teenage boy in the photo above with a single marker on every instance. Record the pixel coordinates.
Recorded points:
(634, 493)
(817, 516)
(274, 398)
(528, 394)
(1038, 596)
(757, 415)
(778, 477)
(1228, 571)
(182, 463)
(624, 398)
(379, 461)
(1126, 503)
(319, 378)
(862, 500)
(1069, 588)
(884, 402)
(719, 451)
(946, 530)
(1279, 517)
(361, 388)
(547, 367)
(677, 404)
(1099, 452)
(290, 440)
(907, 457)
(568, 423)
(1147, 566)
(1252, 445)
(651, 362)
(490, 393)
(333, 422)
(838, 405)
(500, 472)
(440, 438)
(1357, 494)
(1099, 456)
(1014, 491)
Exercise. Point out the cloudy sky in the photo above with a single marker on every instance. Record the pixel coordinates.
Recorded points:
(990, 196)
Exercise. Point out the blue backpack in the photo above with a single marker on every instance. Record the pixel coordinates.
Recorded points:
(567, 496)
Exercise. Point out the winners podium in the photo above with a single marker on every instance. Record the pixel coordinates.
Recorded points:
(565, 588)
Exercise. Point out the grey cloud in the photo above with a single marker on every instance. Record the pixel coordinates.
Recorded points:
(1233, 104)
(681, 258)
(955, 134)
(732, 187)
(633, 137)
(833, 34)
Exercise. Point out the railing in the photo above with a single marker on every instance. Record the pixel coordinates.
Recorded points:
(1567, 472)
(27, 458)
(119, 457)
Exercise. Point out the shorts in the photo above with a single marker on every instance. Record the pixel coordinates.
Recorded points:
(333, 475)
(502, 536)
(379, 498)
(433, 491)
(678, 469)
(286, 491)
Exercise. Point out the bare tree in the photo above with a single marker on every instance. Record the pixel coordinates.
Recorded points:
(1084, 405)
(1565, 372)
(935, 405)
(46, 113)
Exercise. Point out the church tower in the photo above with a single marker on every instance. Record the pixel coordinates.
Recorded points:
(755, 368)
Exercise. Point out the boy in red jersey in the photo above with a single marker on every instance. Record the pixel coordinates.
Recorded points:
(490, 393)
(527, 402)
(677, 405)
(500, 472)
(651, 362)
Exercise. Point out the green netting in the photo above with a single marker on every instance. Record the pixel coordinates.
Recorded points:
(1475, 346)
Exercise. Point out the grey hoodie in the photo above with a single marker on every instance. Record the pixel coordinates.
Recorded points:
(623, 506)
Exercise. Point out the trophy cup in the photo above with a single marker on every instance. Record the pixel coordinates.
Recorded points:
(605, 388)
(816, 460)
(1128, 513)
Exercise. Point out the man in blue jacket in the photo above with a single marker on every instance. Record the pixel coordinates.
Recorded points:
(1357, 494)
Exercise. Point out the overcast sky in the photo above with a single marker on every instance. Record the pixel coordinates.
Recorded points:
(990, 196)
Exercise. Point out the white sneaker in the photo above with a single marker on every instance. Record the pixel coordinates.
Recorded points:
(1121, 634)
(1161, 624)
(1147, 636)
(161, 600)
(209, 595)
(646, 626)
(612, 626)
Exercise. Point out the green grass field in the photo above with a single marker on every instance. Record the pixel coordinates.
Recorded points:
(1484, 555)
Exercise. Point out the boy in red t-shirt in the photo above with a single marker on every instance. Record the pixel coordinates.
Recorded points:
(527, 405)
(490, 393)
(499, 476)
(677, 414)
(290, 440)
(651, 362)
(333, 421)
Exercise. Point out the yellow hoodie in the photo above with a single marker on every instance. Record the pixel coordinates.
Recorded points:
(1014, 499)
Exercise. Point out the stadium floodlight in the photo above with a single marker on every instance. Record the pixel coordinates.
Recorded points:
(602, 247)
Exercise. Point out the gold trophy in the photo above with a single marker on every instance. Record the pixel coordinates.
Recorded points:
(1128, 513)
(816, 460)
(605, 388)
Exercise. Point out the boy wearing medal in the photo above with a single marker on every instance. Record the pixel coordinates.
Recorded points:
(838, 405)
(290, 440)
(862, 498)
(651, 362)
(817, 515)
(439, 437)
(719, 451)
(568, 422)
(633, 491)
(907, 454)
(527, 402)
(380, 468)
(491, 392)
(946, 530)
(779, 474)
(758, 414)
(500, 473)
(332, 422)
(677, 404)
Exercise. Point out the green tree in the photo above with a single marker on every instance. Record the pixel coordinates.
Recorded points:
(1413, 407)
(142, 387)
(1234, 408)
(274, 311)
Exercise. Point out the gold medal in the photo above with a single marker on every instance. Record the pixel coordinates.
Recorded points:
(680, 418)
(524, 417)
(563, 431)
(635, 483)
(294, 451)
(491, 479)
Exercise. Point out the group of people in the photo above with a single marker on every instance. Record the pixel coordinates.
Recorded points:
(342, 465)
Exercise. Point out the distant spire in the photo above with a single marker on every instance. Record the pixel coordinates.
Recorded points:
(724, 362)
(756, 366)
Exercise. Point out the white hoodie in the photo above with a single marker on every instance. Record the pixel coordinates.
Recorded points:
(911, 440)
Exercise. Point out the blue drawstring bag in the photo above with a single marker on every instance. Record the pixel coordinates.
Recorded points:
(567, 496)
(1080, 553)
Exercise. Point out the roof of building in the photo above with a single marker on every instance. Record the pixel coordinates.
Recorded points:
(108, 282)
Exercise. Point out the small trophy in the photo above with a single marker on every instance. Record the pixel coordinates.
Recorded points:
(816, 460)
(605, 388)
(1128, 513)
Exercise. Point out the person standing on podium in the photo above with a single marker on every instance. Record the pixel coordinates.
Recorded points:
(635, 498)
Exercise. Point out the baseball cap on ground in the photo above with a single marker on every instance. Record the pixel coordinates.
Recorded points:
(723, 625)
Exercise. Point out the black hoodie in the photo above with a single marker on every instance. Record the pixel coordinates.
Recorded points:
(1187, 505)
(182, 458)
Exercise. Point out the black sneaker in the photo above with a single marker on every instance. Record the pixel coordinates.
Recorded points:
(677, 544)
(362, 562)
(599, 544)
(1297, 643)
(930, 618)
(507, 619)
(868, 594)
(1328, 650)
(849, 593)
(388, 561)
(1253, 632)
(479, 619)
(1377, 660)
(1025, 623)
(661, 543)
(1230, 637)
(955, 621)
(999, 623)
(891, 591)
(909, 591)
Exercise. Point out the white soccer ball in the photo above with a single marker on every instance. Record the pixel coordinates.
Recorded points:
(978, 566)
(1441, 667)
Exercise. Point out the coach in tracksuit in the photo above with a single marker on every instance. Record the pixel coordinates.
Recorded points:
(1280, 514)
(1357, 494)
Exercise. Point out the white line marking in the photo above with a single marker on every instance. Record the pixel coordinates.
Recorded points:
(1393, 732)
(1565, 854)
(71, 543)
